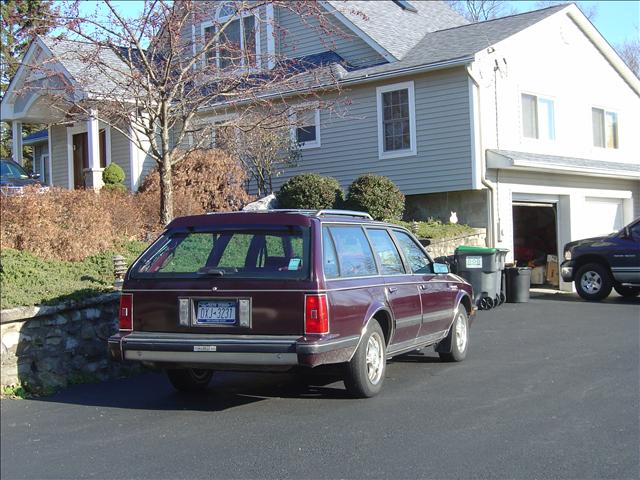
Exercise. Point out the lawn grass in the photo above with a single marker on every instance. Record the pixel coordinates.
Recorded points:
(435, 229)
(27, 280)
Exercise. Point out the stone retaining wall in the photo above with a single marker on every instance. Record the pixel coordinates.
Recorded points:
(441, 248)
(49, 347)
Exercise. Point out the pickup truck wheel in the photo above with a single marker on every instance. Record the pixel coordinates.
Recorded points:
(628, 292)
(365, 371)
(458, 338)
(189, 379)
(593, 282)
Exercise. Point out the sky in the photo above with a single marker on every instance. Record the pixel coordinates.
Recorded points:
(616, 20)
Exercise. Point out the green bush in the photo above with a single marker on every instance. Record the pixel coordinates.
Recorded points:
(115, 187)
(310, 191)
(113, 175)
(435, 229)
(377, 195)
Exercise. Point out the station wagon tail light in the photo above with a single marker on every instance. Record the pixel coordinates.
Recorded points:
(316, 314)
(125, 314)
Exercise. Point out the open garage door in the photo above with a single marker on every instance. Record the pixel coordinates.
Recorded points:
(602, 216)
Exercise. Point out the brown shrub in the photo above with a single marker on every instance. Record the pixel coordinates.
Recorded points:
(205, 181)
(73, 224)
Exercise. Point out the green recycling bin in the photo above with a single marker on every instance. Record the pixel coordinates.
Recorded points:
(482, 268)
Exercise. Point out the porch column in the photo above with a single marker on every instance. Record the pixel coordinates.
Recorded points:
(94, 174)
(16, 141)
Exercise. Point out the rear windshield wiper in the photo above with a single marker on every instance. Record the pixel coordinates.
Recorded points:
(211, 271)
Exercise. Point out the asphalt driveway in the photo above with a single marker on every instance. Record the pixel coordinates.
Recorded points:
(550, 390)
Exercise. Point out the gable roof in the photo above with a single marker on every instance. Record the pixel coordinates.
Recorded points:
(92, 66)
(394, 28)
(462, 42)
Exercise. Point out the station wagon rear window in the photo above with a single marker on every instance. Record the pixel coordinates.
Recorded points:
(271, 253)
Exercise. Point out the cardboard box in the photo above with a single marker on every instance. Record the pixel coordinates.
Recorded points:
(552, 270)
(537, 275)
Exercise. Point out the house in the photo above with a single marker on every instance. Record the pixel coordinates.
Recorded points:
(524, 121)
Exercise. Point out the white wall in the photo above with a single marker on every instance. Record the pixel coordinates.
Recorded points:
(554, 58)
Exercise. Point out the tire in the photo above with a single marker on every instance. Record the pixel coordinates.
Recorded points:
(189, 379)
(628, 292)
(458, 338)
(593, 282)
(364, 378)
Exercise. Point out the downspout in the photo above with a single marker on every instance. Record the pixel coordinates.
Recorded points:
(492, 207)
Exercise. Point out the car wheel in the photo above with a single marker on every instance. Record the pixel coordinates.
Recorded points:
(627, 291)
(458, 338)
(593, 282)
(365, 371)
(189, 379)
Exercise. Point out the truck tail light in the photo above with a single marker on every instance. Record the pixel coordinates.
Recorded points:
(125, 314)
(316, 314)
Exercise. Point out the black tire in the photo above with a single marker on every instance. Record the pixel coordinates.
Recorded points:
(189, 379)
(458, 338)
(364, 379)
(593, 282)
(628, 292)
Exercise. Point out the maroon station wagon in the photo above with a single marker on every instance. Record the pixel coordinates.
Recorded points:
(276, 290)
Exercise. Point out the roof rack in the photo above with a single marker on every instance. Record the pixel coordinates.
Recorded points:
(324, 213)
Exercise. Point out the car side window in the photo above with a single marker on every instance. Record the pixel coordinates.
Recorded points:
(355, 257)
(418, 260)
(635, 232)
(385, 249)
(329, 257)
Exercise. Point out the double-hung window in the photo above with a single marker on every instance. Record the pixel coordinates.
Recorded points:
(238, 42)
(396, 120)
(538, 117)
(306, 130)
(605, 128)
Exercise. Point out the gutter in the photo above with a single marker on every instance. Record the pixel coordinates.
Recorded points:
(416, 69)
(492, 207)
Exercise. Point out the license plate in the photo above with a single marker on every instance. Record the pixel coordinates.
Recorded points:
(219, 312)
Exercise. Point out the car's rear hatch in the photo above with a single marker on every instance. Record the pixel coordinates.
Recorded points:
(243, 274)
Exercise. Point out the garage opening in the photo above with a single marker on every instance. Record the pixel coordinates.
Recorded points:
(535, 241)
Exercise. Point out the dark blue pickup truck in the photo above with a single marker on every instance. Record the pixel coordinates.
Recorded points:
(597, 265)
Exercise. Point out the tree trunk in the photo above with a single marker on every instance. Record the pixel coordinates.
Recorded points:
(166, 192)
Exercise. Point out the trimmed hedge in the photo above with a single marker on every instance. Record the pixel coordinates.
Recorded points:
(113, 175)
(378, 196)
(310, 191)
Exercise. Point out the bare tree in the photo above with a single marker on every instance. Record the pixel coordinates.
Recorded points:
(154, 81)
(264, 152)
(629, 50)
(481, 10)
(589, 9)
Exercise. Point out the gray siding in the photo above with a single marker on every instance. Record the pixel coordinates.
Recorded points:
(120, 154)
(299, 37)
(349, 144)
(59, 160)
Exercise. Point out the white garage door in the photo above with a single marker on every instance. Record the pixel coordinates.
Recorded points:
(602, 216)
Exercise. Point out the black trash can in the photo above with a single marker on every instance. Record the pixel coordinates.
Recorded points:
(518, 284)
(481, 267)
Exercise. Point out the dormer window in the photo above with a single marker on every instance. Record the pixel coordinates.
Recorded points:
(238, 43)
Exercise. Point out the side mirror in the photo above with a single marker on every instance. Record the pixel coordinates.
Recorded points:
(34, 175)
(440, 268)
(626, 233)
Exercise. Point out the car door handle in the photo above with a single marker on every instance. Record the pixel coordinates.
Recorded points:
(392, 289)
(424, 286)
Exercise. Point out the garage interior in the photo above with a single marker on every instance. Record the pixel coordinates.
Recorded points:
(535, 241)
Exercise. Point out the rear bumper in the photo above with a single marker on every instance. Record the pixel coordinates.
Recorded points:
(230, 351)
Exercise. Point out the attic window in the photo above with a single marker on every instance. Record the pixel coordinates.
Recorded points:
(405, 5)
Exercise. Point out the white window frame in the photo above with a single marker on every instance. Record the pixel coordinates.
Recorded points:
(222, 19)
(407, 152)
(605, 110)
(538, 98)
(294, 134)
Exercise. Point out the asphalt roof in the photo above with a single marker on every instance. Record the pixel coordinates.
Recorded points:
(395, 29)
(460, 42)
